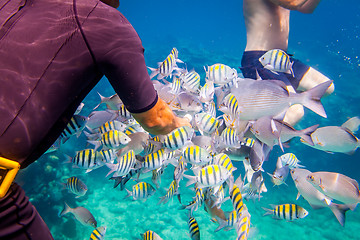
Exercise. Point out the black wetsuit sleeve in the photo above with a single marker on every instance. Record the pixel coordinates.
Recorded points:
(120, 56)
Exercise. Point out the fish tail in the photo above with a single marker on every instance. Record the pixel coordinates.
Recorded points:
(154, 72)
(192, 179)
(313, 96)
(221, 223)
(268, 211)
(112, 168)
(96, 144)
(306, 134)
(129, 193)
(102, 100)
(339, 211)
(65, 210)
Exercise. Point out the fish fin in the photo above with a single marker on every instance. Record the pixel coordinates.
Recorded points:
(268, 211)
(65, 210)
(352, 124)
(339, 211)
(313, 96)
(298, 196)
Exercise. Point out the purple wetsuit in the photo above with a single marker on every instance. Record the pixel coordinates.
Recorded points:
(52, 53)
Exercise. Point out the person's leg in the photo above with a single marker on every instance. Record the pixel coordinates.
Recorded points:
(313, 78)
(19, 220)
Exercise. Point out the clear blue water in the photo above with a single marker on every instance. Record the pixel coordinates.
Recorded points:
(208, 32)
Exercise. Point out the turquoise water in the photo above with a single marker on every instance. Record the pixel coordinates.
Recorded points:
(204, 34)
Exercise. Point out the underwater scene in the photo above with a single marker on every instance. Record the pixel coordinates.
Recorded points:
(257, 191)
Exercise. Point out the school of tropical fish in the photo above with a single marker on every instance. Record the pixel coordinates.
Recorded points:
(233, 119)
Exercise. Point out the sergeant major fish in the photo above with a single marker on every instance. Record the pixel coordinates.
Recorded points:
(276, 60)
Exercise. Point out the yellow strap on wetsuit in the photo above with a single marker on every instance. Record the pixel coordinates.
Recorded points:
(8, 171)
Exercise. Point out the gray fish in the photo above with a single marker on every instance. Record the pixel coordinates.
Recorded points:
(98, 118)
(334, 139)
(189, 102)
(137, 143)
(280, 175)
(258, 98)
(314, 197)
(113, 102)
(258, 154)
(271, 131)
(336, 186)
(81, 214)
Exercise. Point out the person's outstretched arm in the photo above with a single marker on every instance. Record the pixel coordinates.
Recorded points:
(160, 119)
(304, 6)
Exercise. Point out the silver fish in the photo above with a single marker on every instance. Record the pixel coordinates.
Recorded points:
(314, 197)
(258, 98)
(271, 131)
(336, 186)
(81, 214)
(334, 139)
(277, 60)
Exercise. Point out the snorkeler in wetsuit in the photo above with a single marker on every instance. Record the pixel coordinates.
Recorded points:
(53, 52)
(267, 28)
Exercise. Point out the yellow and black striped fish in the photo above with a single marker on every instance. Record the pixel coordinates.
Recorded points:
(196, 155)
(74, 126)
(87, 159)
(230, 106)
(173, 190)
(206, 122)
(193, 228)
(277, 60)
(124, 164)
(209, 176)
(243, 226)
(220, 73)
(142, 190)
(114, 139)
(224, 160)
(98, 233)
(178, 137)
(237, 200)
(286, 211)
(112, 125)
(76, 186)
(150, 235)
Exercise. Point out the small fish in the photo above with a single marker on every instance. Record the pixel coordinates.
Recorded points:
(224, 160)
(277, 60)
(108, 156)
(124, 164)
(287, 211)
(206, 123)
(179, 170)
(112, 139)
(76, 186)
(188, 102)
(194, 230)
(81, 214)
(173, 190)
(176, 85)
(141, 191)
(210, 108)
(98, 233)
(191, 81)
(137, 143)
(113, 102)
(122, 180)
(229, 223)
(166, 68)
(280, 175)
(336, 186)
(229, 139)
(79, 108)
(178, 137)
(243, 226)
(230, 106)
(98, 118)
(209, 176)
(88, 159)
(220, 74)
(156, 176)
(314, 197)
(236, 197)
(196, 155)
(291, 160)
(154, 160)
(207, 92)
(258, 154)
(150, 235)
(123, 112)
(74, 127)
(112, 125)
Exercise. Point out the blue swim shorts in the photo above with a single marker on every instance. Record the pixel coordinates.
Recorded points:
(250, 64)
